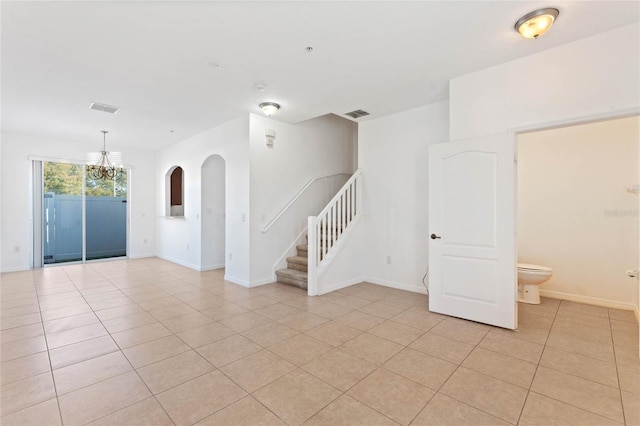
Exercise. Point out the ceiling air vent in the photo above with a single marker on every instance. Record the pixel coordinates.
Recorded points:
(357, 113)
(104, 107)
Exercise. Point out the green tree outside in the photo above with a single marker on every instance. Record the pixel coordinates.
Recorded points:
(64, 178)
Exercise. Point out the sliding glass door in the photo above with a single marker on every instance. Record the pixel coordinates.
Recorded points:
(82, 218)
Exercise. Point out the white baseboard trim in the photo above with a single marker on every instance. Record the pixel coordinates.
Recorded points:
(243, 283)
(16, 268)
(400, 286)
(589, 300)
(377, 281)
(339, 286)
(141, 256)
(258, 283)
(212, 267)
(179, 262)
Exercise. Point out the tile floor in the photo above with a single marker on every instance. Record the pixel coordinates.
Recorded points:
(147, 342)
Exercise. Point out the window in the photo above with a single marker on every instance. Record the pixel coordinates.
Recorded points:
(175, 193)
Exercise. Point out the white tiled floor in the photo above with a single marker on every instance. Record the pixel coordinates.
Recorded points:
(152, 343)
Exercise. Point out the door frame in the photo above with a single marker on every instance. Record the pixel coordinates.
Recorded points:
(576, 121)
(35, 206)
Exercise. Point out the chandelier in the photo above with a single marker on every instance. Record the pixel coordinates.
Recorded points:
(100, 166)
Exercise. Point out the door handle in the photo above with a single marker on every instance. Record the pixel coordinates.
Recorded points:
(435, 237)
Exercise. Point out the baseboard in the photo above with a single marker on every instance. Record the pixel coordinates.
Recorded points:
(179, 262)
(614, 304)
(141, 256)
(212, 267)
(243, 283)
(263, 281)
(16, 269)
(341, 285)
(400, 286)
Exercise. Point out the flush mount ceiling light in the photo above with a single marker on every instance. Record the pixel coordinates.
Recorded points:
(536, 23)
(269, 108)
(100, 166)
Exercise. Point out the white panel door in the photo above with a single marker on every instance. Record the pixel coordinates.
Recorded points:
(472, 249)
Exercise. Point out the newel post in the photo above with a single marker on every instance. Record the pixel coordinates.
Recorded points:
(312, 256)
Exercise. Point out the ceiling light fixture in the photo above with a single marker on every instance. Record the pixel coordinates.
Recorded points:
(269, 108)
(100, 166)
(536, 23)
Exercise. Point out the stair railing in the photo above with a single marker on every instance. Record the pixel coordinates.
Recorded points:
(295, 198)
(328, 227)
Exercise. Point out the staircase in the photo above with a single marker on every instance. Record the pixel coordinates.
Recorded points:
(324, 231)
(296, 272)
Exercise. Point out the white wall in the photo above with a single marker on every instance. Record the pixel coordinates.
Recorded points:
(17, 204)
(213, 213)
(179, 239)
(310, 149)
(592, 76)
(574, 213)
(393, 158)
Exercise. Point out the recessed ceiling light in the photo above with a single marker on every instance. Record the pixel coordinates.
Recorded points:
(536, 23)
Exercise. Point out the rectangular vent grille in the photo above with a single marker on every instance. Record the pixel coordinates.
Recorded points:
(104, 107)
(357, 113)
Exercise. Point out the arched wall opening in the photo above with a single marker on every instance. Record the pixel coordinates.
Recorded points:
(174, 199)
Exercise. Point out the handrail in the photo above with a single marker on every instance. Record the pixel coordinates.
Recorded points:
(295, 197)
(327, 229)
(339, 193)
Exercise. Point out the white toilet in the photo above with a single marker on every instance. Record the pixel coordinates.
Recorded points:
(529, 278)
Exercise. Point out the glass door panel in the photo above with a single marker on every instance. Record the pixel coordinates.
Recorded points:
(62, 213)
(106, 217)
(73, 230)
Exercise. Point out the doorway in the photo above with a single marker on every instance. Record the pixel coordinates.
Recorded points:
(213, 213)
(82, 218)
(578, 209)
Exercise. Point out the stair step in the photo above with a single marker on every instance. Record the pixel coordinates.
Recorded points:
(302, 250)
(298, 263)
(297, 259)
(292, 277)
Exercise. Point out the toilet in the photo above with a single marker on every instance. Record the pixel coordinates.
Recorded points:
(529, 278)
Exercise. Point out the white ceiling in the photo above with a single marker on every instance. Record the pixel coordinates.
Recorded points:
(187, 66)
